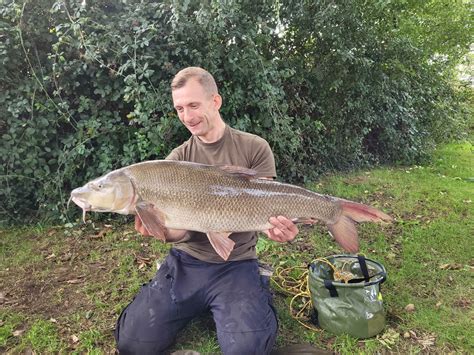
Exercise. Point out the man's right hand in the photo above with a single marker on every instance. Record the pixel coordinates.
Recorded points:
(172, 235)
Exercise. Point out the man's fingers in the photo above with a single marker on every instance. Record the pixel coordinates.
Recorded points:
(284, 229)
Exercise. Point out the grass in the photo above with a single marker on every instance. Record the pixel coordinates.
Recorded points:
(61, 289)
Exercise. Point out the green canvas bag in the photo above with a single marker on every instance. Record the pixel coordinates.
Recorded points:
(354, 308)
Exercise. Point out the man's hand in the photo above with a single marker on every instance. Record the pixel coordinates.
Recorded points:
(172, 235)
(284, 229)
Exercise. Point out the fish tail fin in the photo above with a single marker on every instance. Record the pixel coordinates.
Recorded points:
(344, 230)
(221, 243)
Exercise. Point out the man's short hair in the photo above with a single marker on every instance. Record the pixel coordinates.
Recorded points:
(203, 77)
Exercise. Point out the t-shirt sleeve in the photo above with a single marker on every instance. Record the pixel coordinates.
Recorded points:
(262, 159)
(175, 154)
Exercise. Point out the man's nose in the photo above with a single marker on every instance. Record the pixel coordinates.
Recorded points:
(187, 115)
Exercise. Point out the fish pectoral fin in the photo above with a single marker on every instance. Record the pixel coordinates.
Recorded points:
(152, 219)
(239, 171)
(345, 233)
(221, 243)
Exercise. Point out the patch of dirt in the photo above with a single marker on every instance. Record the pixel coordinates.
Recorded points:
(463, 303)
(55, 285)
(58, 294)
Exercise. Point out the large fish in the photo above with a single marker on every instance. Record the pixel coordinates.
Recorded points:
(217, 200)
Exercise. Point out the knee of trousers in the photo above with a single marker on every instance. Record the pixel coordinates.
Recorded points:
(132, 346)
(252, 342)
(156, 344)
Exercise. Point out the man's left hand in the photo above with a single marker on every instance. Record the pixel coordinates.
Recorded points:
(284, 229)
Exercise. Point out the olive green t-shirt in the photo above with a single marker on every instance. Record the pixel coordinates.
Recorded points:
(234, 148)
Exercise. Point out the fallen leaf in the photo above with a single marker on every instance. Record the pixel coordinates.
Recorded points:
(142, 261)
(426, 341)
(74, 281)
(389, 338)
(52, 320)
(100, 234)
(74, 338)
(451, 266)
(51, 256)
(438, 304)
(18, 332)
(410, 307)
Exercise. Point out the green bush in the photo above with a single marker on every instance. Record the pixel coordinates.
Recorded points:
(85, 85)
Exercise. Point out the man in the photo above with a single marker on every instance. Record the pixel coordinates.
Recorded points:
(194, 279)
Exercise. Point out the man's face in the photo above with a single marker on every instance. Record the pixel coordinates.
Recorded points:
(196, 108)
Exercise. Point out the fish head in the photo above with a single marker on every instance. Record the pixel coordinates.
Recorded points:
(113, 192)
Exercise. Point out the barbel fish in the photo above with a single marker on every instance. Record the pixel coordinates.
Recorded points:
(217, 200)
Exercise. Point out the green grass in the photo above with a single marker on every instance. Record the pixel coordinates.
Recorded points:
(63, 288)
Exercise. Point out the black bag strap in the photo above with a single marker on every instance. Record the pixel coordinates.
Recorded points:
(363, 267)
(331, 288)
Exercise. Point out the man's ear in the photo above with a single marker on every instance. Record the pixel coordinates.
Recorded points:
(217, 100)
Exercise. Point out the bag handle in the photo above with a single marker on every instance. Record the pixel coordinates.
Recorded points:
(331, 288)
(363, 267)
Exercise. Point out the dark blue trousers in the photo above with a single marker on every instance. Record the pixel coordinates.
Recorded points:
(185, 287)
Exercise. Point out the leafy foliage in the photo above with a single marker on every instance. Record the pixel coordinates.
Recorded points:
(85, 85)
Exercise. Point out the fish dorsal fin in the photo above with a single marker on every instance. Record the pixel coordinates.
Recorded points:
(152, 219)
(221, 243)
(239, 170)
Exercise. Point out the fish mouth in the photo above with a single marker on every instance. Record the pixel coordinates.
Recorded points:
(82, 204)
(86, 206)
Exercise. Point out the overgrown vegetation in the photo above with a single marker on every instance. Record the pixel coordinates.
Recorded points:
(62, 288)
(84, 85)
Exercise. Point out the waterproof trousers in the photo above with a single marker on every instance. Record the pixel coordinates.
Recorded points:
(185, 287)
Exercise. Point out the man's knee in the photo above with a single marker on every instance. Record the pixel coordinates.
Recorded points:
(257, 342)
(131, 346)
(136, 334)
